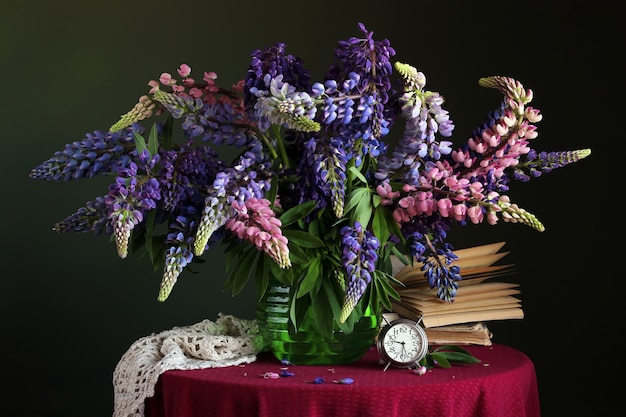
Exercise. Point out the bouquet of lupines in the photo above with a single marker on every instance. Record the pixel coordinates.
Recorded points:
(316, 195)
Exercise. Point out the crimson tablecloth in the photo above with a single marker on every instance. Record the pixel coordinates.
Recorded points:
(504, 384)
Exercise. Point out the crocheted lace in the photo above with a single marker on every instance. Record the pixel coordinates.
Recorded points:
(227, 341)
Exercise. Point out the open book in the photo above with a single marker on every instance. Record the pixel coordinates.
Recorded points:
(479, 297)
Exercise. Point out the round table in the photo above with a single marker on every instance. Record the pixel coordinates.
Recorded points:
(503, 384)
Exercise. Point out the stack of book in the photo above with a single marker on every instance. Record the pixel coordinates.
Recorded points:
(481, 297)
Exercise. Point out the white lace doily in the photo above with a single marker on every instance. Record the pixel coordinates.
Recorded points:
(227, 341)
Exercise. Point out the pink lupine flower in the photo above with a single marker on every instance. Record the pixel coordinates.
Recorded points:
(154, 86)
(256, 222)
(459, 211)
(384, 190)
(475, 213)
(444, 206)
(166, 79)
(184, 70)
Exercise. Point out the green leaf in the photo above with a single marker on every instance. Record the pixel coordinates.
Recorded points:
(363, 212)
(401, 255)
(458, 357)
(303, 239)
(149, 233)
(357, 174)
(441, 360)
(297, 310)
(387, 221)
(284, 276)
(140, 142)
(355, 198)
(376, 199)
(384, 290)
(457, 354)
(297, 255)
(153, 141)
(379, 226)
(240, 269)
(323, 313)
(167, 133)
(297, 213)
(261, 280)
(311, 281)
(359, 204)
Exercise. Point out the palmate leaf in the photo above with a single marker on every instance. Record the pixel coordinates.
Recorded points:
(355, 173)
(153, 141)
(285, 276)
(329, 307)
(167, 133)
(311, 282)
(334, 291)
(241, 265)
(149, 235)
(140, 142)
(359, 206)
(297, 213)
(262, 276)
(384, 225)
(382, 290)
(322, 309)
(379, 226)
(297, 255)
(303, 239)
(152, 146)
(401, 255)
(297, 310)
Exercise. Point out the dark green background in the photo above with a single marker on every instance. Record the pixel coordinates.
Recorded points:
(71, 307)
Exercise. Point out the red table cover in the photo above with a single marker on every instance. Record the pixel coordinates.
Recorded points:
(504, 384)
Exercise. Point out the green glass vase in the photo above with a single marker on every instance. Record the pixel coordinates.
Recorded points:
(307, 346)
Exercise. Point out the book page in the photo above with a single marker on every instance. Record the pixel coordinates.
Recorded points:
(428, 306)
(464, 317)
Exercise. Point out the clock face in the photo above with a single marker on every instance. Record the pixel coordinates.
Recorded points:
(403, 343)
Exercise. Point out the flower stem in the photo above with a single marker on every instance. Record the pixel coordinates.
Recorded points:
(275, 132)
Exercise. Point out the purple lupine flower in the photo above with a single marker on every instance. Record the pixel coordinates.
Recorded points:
(186, 173)
(436, 257)
(282, 105)
(131, 196)
(97, 153)
(219, 122)
(214, 215)
(424, 119)
(179, 244)
(176, 259)
(271, 63)
(323, 166)
(90, 218)
(359, 256)
(362, 68)
(538, 163)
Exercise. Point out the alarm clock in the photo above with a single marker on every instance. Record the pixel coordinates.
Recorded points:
(402, 343)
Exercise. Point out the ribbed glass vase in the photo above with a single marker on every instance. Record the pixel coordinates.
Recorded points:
(307, 346)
